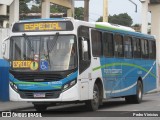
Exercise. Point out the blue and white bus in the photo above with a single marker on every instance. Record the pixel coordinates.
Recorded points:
(67, 60)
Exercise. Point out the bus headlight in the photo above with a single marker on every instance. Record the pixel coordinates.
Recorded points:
(13, 86)
(69, 85)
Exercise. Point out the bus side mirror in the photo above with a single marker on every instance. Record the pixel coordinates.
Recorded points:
(84, 48)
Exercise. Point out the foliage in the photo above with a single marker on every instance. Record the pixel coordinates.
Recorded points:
(100, 19)
(35, 9)
(23, 8)
(57, 9)
(79, 13)
(136, 25)
(121, 19)
(36, 1)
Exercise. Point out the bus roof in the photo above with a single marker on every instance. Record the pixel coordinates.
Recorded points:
(98, 25)
(45, 19)
(121, 29)
(113, 26)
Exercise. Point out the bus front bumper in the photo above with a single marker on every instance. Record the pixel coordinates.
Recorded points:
(68, 95)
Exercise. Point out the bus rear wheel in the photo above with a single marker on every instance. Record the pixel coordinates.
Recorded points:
(138, 97)
(93, 105)
(139, 94)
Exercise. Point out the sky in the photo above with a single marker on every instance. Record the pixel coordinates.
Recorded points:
(114, 7)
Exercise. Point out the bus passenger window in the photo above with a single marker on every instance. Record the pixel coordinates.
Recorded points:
(152, 50)
(127, 47)
(108, 45)
(136, 48)
(144, 48)
(118, 46)
(96, 43)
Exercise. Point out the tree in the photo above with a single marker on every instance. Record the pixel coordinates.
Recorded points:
(121, 19)
(23, 8)
(100, 19)
(57, 9)
(79, 13)
(136, 25)
(37, 1)
(35, 9)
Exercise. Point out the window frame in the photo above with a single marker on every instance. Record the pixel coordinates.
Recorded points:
(121, 44)
(131, 45)
(104, 39)
(153, 50)
(135, 39)
(100, 54)
(144, 55)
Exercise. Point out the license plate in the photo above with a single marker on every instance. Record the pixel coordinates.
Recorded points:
(39, 95)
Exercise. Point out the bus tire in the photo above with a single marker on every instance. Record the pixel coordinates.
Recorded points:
(40, 107)
(93, 105)
(139, 94)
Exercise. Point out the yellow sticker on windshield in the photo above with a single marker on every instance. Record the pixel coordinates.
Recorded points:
(34, 65)
(21, 64)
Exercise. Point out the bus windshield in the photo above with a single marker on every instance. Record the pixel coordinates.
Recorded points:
(44, 53)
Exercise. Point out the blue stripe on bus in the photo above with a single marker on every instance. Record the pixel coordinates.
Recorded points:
(53, 85)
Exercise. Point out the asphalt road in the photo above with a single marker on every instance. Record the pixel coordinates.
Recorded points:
(113, 109)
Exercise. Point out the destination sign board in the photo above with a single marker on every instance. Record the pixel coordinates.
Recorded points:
(21, 64)
(43, 26)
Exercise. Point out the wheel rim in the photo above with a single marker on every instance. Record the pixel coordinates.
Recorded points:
(95, 97)
(140, 92)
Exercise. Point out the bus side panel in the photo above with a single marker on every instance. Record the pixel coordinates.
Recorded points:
(112, 75)
(146, 69)
(120, 76)
(150, 79)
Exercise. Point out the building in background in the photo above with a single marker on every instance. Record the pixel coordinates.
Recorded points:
(138, 27)
(38, 15)
(4, 19)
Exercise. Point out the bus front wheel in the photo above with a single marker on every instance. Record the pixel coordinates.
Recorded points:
(93, 104)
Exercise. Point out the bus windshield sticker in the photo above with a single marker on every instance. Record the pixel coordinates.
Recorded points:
(34, 65)
(36, 57)
(43, 57)
(44, 65)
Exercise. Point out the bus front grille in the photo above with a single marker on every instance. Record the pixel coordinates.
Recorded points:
(48, 94)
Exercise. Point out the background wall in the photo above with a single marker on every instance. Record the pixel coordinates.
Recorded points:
(4, 33)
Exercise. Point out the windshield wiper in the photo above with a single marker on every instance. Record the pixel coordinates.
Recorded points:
(28, 41)
(53, 42)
